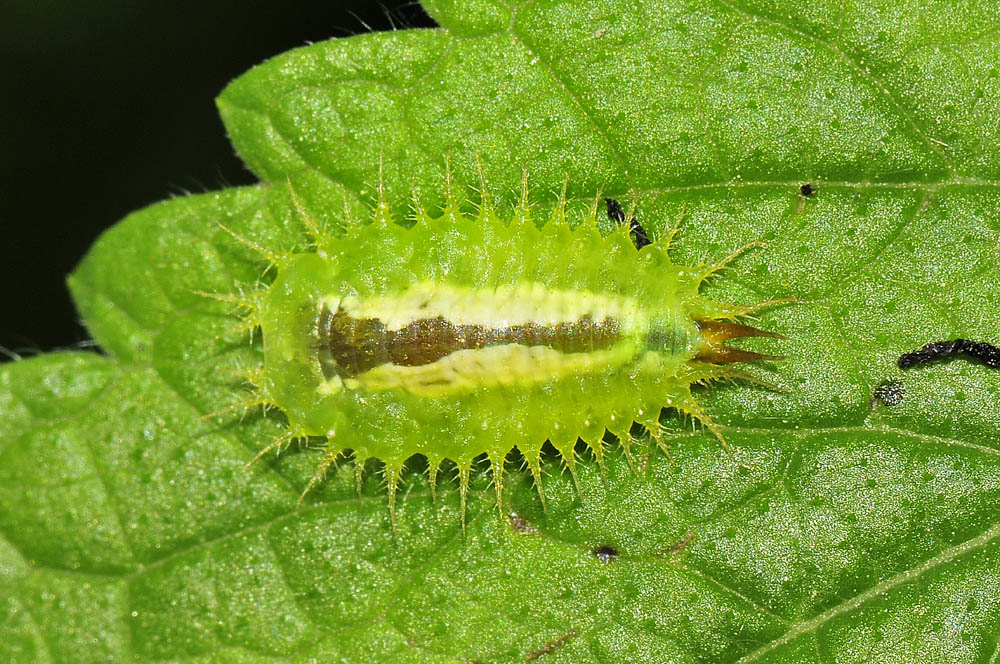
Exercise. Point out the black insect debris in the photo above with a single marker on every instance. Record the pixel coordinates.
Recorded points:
(986, 353)
(616, 213)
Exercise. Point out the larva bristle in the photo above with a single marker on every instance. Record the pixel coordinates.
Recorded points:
(559, 209)
(597, 448)
(452, 207)
(663, 447)
(463, 486)
(250, 324)
(656, 434)
(522, 213)
(666, 240)
(391, 475)
(626, 441)
(359, 471)
(351, 223)
(418, 213)
(326, 462)
(282, 441)
(254, 375)
(273, 257)
(238, 299)
(316, 233)
(633, 204)
(383, 213)
(247, 310)
(533, 459)
(238, 373)
(245, 405)
(246, 327)
(486, 206)
(496, 466)
(748, 310)
(433, 466)
(566, 446)
(569, 462)
(692, 408)
(721, 265)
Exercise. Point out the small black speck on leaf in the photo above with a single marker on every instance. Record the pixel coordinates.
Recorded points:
(889, 393)
(606, 553)
(807, 190)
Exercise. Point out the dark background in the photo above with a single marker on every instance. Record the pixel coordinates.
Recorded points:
(107, 106)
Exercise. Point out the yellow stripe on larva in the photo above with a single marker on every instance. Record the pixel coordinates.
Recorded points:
(507, 305)
(510, 365)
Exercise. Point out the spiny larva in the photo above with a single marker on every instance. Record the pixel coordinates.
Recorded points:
(459, 336)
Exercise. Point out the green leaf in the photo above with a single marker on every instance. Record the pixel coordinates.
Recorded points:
(841, 530)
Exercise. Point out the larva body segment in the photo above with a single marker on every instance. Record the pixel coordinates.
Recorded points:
(461, 336)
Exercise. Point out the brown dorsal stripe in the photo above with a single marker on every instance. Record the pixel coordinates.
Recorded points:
(354, 346)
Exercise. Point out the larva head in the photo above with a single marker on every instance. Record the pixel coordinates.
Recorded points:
(461, 337)
(293, 378)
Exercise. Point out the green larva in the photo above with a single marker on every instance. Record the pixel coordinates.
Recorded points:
(461, 336)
